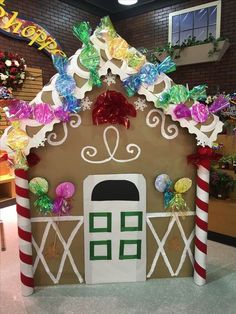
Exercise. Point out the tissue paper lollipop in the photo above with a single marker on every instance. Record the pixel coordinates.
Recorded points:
(163, 184)
(39, 187)
(64, 192)
(177, 203)
(18, 140)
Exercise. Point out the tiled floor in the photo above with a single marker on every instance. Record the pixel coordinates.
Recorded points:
(154, 296)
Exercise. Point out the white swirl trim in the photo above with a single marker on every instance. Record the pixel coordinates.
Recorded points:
(152, 120)
(92, 151)
(52, 137)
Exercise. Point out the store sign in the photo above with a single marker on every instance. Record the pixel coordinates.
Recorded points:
(12, 25)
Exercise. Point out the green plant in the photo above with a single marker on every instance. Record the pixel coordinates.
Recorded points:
(228, 159)
(221, 184)
(215, 44)
(151, 57)
(169, 49)
(175, 50)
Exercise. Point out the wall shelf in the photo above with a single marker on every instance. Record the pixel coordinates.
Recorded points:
(199, 54)
(7, 189)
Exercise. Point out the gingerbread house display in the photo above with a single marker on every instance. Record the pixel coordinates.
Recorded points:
(113, 149)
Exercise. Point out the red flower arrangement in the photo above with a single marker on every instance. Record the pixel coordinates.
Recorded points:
(112, 107)
(12, 70)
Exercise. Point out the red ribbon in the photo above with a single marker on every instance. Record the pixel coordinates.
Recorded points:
(32, 159)
(112, 107)
(204, 155)
(3, 157)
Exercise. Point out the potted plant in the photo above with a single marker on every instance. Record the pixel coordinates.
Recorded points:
(227, 162)
(12, 70)
(221, 184)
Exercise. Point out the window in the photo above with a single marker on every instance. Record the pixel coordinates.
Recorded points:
(200, 22)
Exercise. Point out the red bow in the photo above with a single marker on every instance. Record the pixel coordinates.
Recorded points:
(32, 159)
(112, 107)
(203, 154)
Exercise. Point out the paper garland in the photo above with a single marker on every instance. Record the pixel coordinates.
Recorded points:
(118, 47)
(18, 140)
(180, 94)
(65, 85)
(199, 112)
(89, 56)
(42, 113)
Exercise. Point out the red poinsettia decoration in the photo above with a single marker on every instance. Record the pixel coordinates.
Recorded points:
(112, 107)
(12, 70)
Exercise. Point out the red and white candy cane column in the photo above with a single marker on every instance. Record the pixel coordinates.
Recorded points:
(24, 231)
(201, 226)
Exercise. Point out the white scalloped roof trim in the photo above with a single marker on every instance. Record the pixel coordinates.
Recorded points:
(123, 72)
(35, 141)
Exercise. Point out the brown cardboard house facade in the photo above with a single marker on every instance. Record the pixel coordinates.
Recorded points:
(136, 235)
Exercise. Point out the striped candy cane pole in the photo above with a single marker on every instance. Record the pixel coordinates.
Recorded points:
(24, 232)
(201, 226)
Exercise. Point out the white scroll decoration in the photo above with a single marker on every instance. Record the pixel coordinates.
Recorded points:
(91, 151)
(52, 137)
(153, 120)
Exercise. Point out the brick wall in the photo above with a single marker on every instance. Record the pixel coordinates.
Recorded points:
(57, 17)
(151, 30)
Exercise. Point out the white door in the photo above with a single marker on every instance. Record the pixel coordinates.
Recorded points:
(115, 228)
